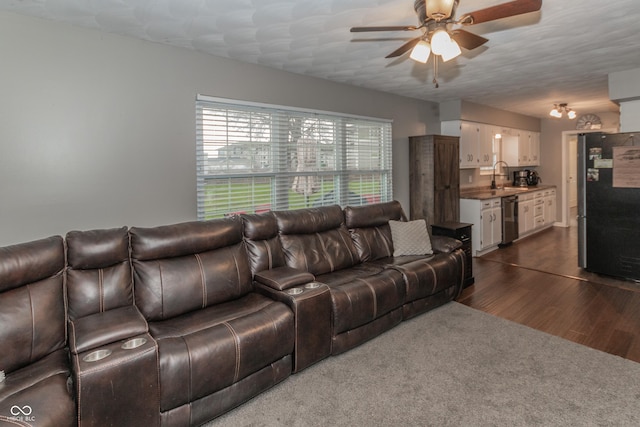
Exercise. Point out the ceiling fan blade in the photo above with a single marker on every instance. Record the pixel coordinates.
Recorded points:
(365, 29)
(468, 40)
(504, 10)
(404, 48)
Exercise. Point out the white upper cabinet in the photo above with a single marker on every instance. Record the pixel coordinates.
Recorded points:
(476, 142)
(486, 134)
(521, 148)
(468, 145)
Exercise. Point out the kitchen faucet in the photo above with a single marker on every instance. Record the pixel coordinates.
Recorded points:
(493, 177)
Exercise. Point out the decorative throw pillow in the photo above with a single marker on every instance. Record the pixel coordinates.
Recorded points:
(410, 238)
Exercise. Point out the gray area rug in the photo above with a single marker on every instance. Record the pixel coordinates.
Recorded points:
(454, 366)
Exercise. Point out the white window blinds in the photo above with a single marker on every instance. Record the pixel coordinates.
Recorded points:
(255, 158)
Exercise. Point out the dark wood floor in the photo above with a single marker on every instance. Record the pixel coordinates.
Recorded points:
(537, 282)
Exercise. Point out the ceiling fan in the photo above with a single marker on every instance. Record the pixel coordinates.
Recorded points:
(441, 32)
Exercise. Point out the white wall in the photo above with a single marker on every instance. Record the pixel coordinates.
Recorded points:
(98, 130)
(630, 116)
(624, 88)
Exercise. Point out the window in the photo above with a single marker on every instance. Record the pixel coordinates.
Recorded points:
(257, 157)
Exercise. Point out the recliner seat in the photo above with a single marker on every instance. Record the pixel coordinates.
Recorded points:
(220, 343)
(35, 361)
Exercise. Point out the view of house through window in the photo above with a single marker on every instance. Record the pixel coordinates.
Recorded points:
(256, 158)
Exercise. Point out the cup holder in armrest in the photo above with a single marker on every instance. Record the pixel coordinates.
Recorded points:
(312, 285)
(134, 343)
(294, 291)
(94, 356)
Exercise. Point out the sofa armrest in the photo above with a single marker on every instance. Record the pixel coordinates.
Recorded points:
(311, 306)
(445, 244)
(282, 278)
(104, 328)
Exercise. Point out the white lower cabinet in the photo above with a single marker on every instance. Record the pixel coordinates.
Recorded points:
(536, 210)
(486, 217)
(549, 207)
(525, 214)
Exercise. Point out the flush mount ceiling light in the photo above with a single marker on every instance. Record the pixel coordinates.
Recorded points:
(559, 109)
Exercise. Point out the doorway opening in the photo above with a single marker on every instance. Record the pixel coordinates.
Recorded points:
(569, 186)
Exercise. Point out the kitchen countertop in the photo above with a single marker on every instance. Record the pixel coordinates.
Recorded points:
(483, 193)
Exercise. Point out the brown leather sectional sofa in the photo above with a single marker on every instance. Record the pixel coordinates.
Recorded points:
(175, 325)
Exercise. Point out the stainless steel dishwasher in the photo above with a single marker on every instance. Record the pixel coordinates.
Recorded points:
(509, 220)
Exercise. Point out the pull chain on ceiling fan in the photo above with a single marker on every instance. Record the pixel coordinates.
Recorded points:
(436, 19)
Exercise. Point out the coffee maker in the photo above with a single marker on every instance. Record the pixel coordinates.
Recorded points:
(532, 177)
(520, 178)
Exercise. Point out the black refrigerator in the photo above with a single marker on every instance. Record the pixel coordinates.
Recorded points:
(609, 204)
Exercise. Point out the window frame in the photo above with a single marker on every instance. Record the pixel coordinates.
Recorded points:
(341, 132)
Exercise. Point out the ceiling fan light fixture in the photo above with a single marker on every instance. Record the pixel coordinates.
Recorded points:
(452, 51)
(440, 41)
(439, 9)
(421, 52)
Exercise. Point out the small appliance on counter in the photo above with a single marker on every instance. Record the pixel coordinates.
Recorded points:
(526, 178)
(532, 177)
(520, 178)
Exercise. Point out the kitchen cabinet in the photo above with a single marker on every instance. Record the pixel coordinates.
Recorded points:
(468, 145)
(521, 149)
(534, 148)
(486, 217)
(434, 178)
(525, 214)
(549, 207)
(486, 134)
(476, 142)
(538, 209)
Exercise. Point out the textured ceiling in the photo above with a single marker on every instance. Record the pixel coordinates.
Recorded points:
(563, 53)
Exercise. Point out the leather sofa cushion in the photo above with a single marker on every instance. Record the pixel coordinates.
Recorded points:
(428, 276)
(369, 228)
(170, 287)
(321, 252)
(209, 265)
(263, 243)
(309, 221)
(99, 271)
(32, 318)
(372, 243)
(102, 289)
(95, 249)
(43, 387)
(445, 244)
(316, 240)
(362, 294)
(186, 238)
(282, 278)
(373, 215)
(210, 349)
(105, 328)
(30, 262)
